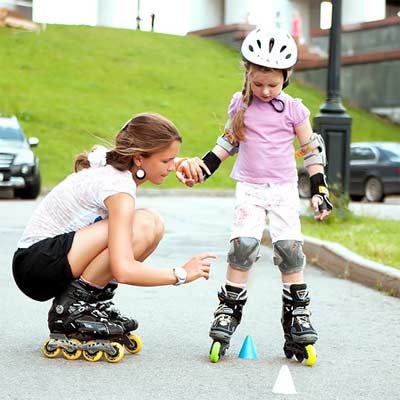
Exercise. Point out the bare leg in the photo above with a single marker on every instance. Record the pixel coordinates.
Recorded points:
(297, 277)
(236, 276)
(89, 256)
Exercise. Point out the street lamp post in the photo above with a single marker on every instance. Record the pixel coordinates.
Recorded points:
(138, 19)
(333, 123)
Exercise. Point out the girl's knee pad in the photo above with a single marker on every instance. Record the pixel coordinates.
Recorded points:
(243, 253)
(289, 256)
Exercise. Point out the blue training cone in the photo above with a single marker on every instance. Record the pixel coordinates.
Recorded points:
(248, 350)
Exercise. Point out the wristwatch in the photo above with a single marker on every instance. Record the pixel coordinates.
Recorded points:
(181, 275)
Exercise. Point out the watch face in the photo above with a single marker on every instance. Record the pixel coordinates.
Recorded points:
(180, 274)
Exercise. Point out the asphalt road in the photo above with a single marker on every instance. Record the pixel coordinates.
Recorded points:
(358, 327)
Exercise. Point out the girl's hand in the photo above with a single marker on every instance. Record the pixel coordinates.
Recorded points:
(189, 171)
(321, 213)
(198, 267)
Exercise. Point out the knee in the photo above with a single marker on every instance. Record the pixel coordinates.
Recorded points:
(289, 256)
(159, 227)
(151, 224)
(243, 253)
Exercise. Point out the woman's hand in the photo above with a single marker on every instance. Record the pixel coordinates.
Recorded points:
(198, 267)
(189, 171)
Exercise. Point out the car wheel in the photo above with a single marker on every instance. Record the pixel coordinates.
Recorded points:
(32, 191)
(304, 186)
(373, 190)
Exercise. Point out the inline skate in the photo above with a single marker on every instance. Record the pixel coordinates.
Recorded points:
(132, 342)
(78, 327)
(227, 317)
(298, 332)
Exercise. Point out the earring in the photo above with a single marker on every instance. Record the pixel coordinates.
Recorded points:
(140, 173)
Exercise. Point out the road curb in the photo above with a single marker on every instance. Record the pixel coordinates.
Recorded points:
(343, 263)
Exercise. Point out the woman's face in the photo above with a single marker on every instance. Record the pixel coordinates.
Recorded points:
(160, 164)
(266, 85)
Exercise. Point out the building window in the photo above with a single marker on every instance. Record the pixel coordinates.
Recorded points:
(325, 15)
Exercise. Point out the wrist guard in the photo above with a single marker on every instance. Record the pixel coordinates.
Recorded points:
(212, 162)
(319, 187)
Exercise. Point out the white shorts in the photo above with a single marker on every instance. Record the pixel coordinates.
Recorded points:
(255, 201)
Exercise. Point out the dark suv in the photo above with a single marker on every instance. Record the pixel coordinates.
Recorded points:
(19, 167)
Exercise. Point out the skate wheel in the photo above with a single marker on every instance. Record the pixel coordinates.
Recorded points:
(136, 345)
(92, 356)
(299, 358)
(311, 355)
(114, 358)
(289, 354)
(215, 352)
(50, 353)
(73, 354)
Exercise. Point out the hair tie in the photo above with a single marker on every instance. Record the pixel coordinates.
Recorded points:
(97, 157)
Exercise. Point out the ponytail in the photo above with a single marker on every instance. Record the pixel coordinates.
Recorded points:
(238, 119)
(81, 162)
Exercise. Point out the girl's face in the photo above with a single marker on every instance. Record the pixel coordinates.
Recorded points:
(265, 85)
(160, 164)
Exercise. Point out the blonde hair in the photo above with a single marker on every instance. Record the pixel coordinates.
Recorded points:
(237, 122)
(144, 134)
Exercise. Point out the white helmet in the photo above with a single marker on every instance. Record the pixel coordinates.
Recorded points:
(272, 49)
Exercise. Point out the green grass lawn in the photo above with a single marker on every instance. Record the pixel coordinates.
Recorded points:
(73, 87)
(371, 238)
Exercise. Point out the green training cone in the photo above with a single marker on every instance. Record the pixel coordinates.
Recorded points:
(248, 349)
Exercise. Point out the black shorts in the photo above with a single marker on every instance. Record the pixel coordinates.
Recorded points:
(42, 271)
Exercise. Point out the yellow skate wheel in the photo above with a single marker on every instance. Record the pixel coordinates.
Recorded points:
(311, 355)
(74, 354)
(138, 344)
(116, 357)
(92, 356)
(50, 353)
(215, 351)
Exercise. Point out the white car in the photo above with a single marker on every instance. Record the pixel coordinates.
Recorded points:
(19, 166)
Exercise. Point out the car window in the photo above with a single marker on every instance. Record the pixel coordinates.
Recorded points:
(362, 153)
(7, 133)
(392, 151)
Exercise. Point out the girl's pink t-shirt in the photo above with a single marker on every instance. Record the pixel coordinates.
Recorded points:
(267, 154)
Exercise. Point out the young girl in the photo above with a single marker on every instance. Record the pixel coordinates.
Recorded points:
(86, 235)
(263, 122)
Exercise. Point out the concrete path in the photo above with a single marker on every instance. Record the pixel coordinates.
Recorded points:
(358, 327)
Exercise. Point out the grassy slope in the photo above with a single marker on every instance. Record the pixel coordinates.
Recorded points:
(73, 86)
(68, 85)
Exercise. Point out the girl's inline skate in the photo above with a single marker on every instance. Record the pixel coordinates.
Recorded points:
(227, 317)
(77, 326)
(299, 333)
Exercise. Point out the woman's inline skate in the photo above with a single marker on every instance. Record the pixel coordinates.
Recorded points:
(78, 326)
(298, 331)
(227, 317)
(132, 342)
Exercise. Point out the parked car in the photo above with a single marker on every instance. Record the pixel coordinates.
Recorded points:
(19, 166)
(374, 171)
